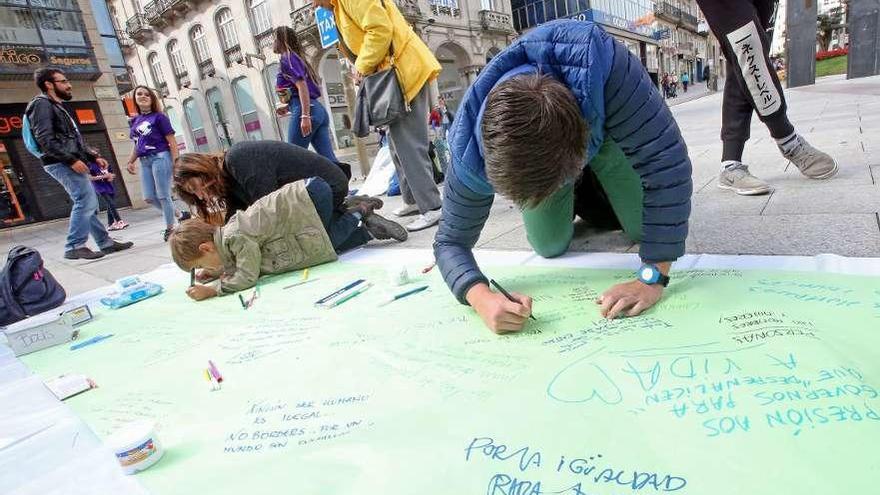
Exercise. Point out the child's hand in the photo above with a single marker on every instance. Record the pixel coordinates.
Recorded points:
(201, 292)
(109, 176)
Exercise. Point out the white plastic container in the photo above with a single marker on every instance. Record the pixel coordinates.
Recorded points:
(398, 275)
(136, 446)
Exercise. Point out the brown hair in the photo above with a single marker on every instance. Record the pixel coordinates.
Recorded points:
(286, 41)
(534, 138)
(209, 168)
(185, 240)
(154, 99)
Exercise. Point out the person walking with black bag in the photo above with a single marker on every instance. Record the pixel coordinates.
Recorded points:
(375, 36)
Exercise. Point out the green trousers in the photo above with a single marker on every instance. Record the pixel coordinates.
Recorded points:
(609, 188)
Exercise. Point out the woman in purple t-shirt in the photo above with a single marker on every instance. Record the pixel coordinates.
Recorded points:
(156, 147)
(297, 87)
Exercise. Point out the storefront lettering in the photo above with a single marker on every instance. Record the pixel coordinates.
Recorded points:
(13, 56)
(69, 61)
(9, 124)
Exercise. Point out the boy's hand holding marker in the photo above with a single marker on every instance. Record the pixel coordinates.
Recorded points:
(201, 292)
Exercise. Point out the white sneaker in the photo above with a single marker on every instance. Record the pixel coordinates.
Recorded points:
(406, 210)
(424, 221)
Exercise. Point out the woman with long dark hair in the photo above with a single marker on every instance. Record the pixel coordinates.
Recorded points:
(156, 148)
(297, 87)
(218, 185)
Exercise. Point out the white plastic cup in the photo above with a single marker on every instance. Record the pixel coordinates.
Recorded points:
(136, 446)
(398, 275)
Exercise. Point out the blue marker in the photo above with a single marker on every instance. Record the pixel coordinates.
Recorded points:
(403, 294)
(93, 340)
(348, 287)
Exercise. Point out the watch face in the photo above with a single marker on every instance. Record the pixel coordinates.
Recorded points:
(647, 273)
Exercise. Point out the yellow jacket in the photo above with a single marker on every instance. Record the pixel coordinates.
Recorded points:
(368, 29)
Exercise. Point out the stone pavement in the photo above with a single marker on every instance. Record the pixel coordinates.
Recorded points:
(801, 217)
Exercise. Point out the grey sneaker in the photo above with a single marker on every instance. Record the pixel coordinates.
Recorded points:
(811, 162)
(740, 181)
(381, 228)
(425, 220)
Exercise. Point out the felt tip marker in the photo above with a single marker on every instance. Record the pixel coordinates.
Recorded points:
(340, 291)
(351, 295)
(215, 372)
(192, 277)
(301, 282)
(507, 295)
(93, 340)
(402, 295)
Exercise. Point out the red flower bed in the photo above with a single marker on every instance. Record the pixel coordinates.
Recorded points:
(838, 52)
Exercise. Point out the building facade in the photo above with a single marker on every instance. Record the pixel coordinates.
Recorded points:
(77, 37)
(667, 36)
(214, 66)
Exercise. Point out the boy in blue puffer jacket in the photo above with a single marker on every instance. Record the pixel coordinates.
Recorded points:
(565, 121)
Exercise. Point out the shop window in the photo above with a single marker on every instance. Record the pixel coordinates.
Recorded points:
(247, 108)
(196, 126)
(219, 117)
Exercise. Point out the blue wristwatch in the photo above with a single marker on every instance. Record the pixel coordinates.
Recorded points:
(649, 274)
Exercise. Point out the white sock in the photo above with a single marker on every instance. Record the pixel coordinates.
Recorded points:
(731, 165)
(787, 143)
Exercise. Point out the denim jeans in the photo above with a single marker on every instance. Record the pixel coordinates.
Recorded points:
(156, 171)
(84, 213)
(344, 229)
(320, 136)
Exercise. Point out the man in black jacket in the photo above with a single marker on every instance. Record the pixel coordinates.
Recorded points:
(65, 157)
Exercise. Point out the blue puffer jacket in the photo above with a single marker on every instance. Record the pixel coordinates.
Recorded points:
(618, 101)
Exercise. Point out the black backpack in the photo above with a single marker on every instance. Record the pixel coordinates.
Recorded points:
(26, 288)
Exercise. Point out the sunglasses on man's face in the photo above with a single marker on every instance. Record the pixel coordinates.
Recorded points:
(60, 81)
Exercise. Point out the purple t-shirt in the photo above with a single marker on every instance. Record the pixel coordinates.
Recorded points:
(101, 186)
(292, 70)
(148, 132)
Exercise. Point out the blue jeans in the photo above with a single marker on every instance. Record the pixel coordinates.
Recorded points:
(344, 229)
(156, 173)
(84, 213)
(320, 136)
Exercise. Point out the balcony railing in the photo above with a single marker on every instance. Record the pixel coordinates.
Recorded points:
(666, 10)
(265, 39)
(160, 12)
(446, 11)
(689, 21)
(136, 27)
(124, 40)
(303, 19)
(183, 80)
(410, 9)
(206, 69)
(491, 20)
(233, 55)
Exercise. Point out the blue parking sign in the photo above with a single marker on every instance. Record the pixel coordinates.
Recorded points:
(326, 27)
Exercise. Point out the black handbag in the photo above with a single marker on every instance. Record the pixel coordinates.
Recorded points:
(380, 99)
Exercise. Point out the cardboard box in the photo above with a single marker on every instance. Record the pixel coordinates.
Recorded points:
(40, 331)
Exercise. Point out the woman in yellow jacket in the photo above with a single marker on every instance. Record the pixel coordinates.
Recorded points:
(370, 29)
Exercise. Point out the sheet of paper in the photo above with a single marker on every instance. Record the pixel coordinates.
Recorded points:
(738, 382)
